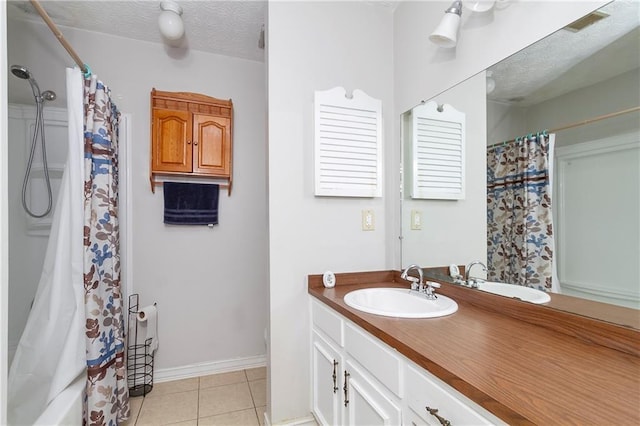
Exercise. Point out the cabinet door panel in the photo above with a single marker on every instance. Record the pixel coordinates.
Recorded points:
(327, 364)
(368, 404)
(171, 141)
(212, 145)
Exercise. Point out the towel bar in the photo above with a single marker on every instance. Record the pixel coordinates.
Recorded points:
(228, 183)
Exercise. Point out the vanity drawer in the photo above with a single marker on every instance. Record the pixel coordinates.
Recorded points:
(424, 390)
(327, 321)
(376, 357)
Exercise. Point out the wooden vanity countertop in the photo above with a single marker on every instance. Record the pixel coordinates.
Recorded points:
(521, 372)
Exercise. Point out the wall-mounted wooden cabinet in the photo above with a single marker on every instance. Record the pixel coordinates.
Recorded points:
(191, 136)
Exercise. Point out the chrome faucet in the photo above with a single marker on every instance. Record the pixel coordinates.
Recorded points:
(417, 283)
(473, 282)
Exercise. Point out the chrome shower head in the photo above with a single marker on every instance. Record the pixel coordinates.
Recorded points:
(21, 72)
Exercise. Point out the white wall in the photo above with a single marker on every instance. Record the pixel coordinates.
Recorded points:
(422, 70)
(210, 285)
(316, 46)
(505, 122)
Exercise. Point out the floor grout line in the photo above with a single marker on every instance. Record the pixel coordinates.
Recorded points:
(198, 388)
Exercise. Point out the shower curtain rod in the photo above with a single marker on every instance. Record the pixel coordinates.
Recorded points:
(576, 124)
(54, 29)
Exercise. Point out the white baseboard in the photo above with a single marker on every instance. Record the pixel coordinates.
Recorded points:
(300, 421)
(203, 369)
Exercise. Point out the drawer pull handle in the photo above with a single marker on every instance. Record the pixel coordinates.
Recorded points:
(346, 388)
(442, 420)
(335, 376)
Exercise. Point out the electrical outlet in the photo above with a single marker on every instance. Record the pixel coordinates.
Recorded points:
(416, 220)
(368, 220)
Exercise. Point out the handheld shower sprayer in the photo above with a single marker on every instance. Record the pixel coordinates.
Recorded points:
(48, 95)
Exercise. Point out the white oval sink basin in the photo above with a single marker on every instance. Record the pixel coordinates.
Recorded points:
(527, 294)
(399, 303)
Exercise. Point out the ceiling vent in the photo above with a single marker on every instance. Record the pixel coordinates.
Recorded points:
(585, 21)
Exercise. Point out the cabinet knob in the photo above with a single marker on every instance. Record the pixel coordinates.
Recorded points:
(188, 142)
(195, 142)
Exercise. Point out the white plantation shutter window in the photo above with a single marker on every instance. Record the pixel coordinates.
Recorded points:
(438, 152)
(348, 144)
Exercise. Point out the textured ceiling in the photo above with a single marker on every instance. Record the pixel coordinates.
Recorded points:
(567, 61)
(230, 28)
(233, 28)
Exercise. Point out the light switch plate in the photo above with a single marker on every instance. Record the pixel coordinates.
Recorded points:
(416, 220)
(368, 220)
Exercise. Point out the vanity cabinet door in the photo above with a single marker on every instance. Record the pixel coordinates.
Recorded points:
(365, 402)
(327, 378)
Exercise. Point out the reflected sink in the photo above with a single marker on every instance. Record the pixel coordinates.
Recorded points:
(527, 294)
(399, 303)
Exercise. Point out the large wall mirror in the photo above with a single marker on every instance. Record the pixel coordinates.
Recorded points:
(580, 85)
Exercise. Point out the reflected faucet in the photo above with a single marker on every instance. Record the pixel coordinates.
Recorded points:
(473, 282)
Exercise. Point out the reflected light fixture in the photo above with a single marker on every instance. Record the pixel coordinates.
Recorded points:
(491, 83)
(446, 34)
(170, 21)
(479, 5)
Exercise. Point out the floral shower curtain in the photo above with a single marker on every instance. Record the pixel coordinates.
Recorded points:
(520, 242)
(107, 396)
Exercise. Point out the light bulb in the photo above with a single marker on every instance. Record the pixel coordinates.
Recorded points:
(170, 22)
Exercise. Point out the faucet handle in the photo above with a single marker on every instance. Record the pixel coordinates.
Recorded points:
(415, 282)
(433, 284)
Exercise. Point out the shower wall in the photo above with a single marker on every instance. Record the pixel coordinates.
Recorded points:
(28, 237)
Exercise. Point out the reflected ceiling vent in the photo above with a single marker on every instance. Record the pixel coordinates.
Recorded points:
(585, 21)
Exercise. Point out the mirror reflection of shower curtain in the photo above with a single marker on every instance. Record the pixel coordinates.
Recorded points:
(520, 242)
(51, 352)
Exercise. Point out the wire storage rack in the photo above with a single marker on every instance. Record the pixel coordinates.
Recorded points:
(139, 355)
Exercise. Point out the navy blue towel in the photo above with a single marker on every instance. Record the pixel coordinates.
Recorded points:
(191, 203)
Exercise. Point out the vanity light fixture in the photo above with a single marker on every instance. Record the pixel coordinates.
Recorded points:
(170, 21)
(446, 34)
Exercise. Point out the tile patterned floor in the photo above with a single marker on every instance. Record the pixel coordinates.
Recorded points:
(235, 398)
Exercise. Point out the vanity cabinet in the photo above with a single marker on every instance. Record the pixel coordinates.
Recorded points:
(374, 384)
(191, 136)
(344, 390)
